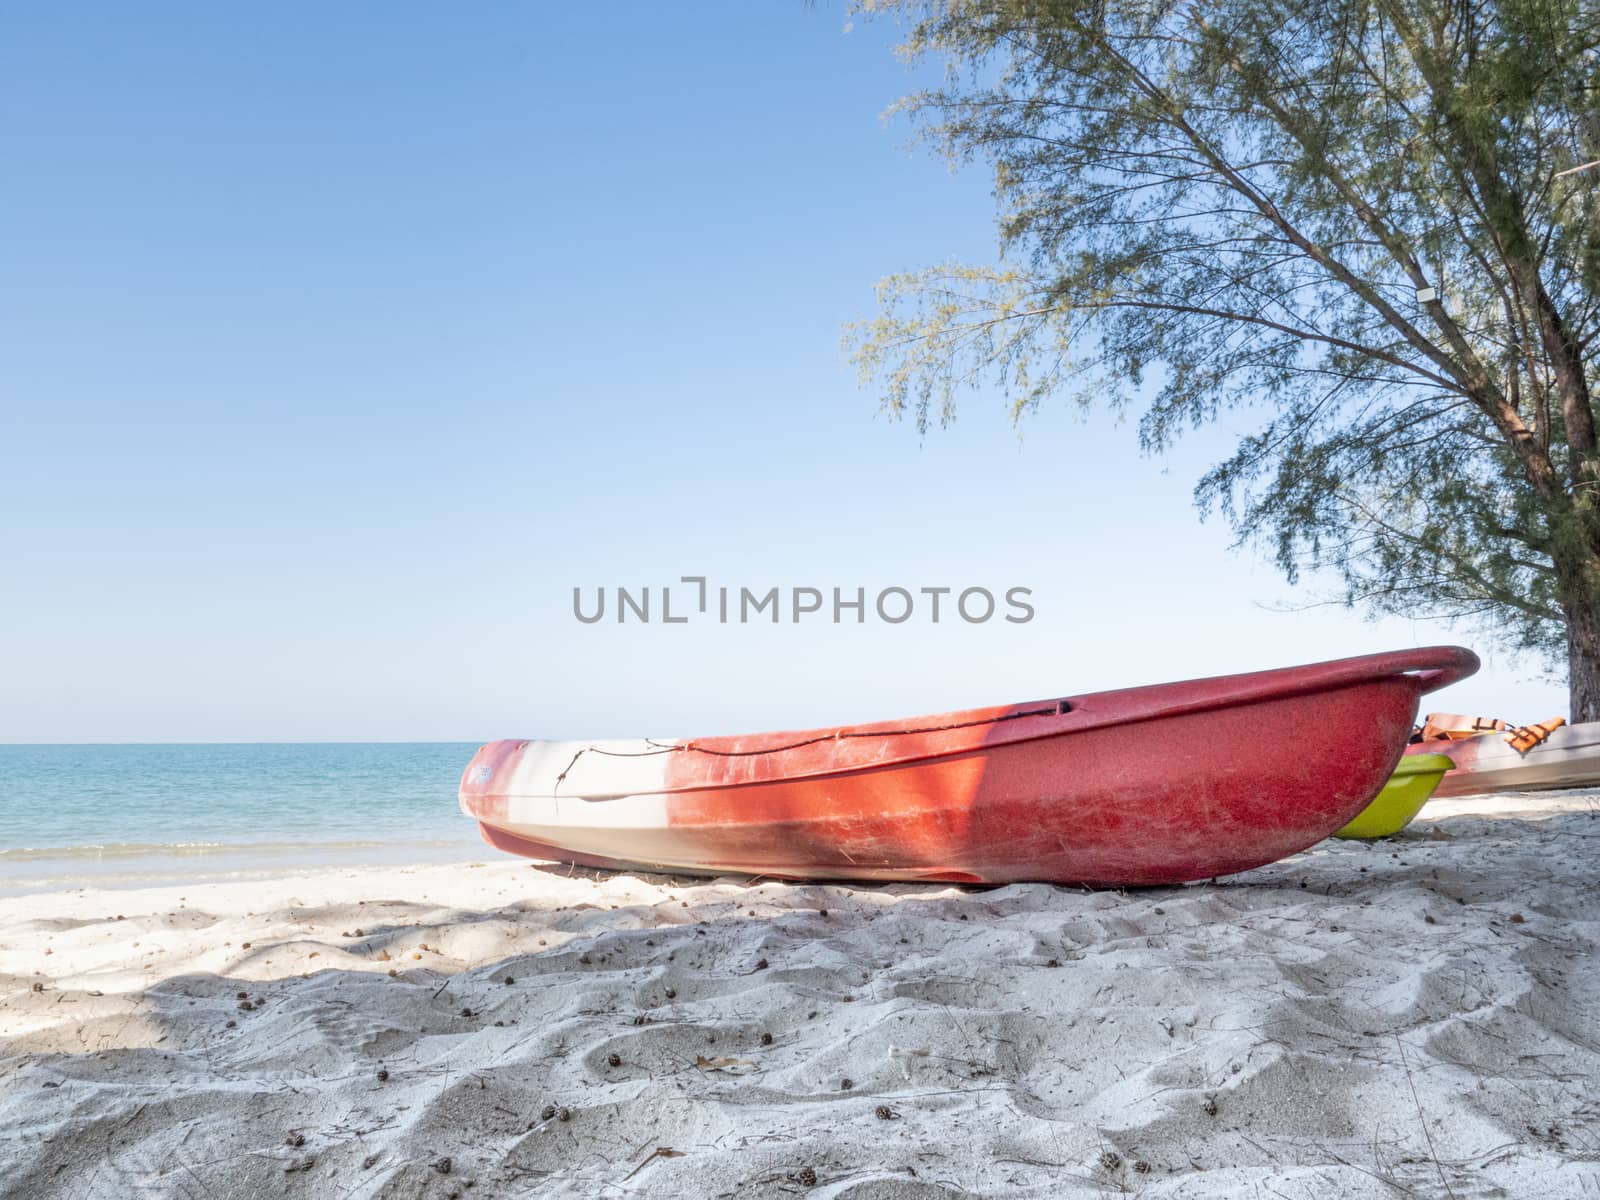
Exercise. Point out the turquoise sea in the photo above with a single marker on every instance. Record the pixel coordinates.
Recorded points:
(126, 814)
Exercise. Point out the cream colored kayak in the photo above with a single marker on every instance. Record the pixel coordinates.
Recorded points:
(1570, 757)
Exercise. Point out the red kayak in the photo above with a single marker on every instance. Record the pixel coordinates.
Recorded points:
(1150, 785)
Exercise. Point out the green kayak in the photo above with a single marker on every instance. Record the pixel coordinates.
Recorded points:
(1401, 799)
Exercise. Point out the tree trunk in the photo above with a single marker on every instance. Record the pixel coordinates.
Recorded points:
(1583, 663)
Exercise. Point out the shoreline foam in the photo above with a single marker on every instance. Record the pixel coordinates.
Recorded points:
(32, 870)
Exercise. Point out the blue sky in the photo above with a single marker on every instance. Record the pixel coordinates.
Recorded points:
(341, 342)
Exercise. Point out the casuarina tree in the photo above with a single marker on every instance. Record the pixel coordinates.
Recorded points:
(1372, 225)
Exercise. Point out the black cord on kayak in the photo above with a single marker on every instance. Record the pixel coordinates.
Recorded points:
(1058, 708)
(837, 735)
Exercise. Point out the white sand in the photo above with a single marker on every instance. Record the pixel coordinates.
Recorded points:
(1419, 1017)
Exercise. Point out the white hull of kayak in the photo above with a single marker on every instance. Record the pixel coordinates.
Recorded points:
(1570, 757)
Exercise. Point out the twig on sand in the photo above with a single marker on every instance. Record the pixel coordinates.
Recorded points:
(1382, 1176)
(1422, 1119)
(658, 1152)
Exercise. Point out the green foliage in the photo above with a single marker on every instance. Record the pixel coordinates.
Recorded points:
(1230, 205)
